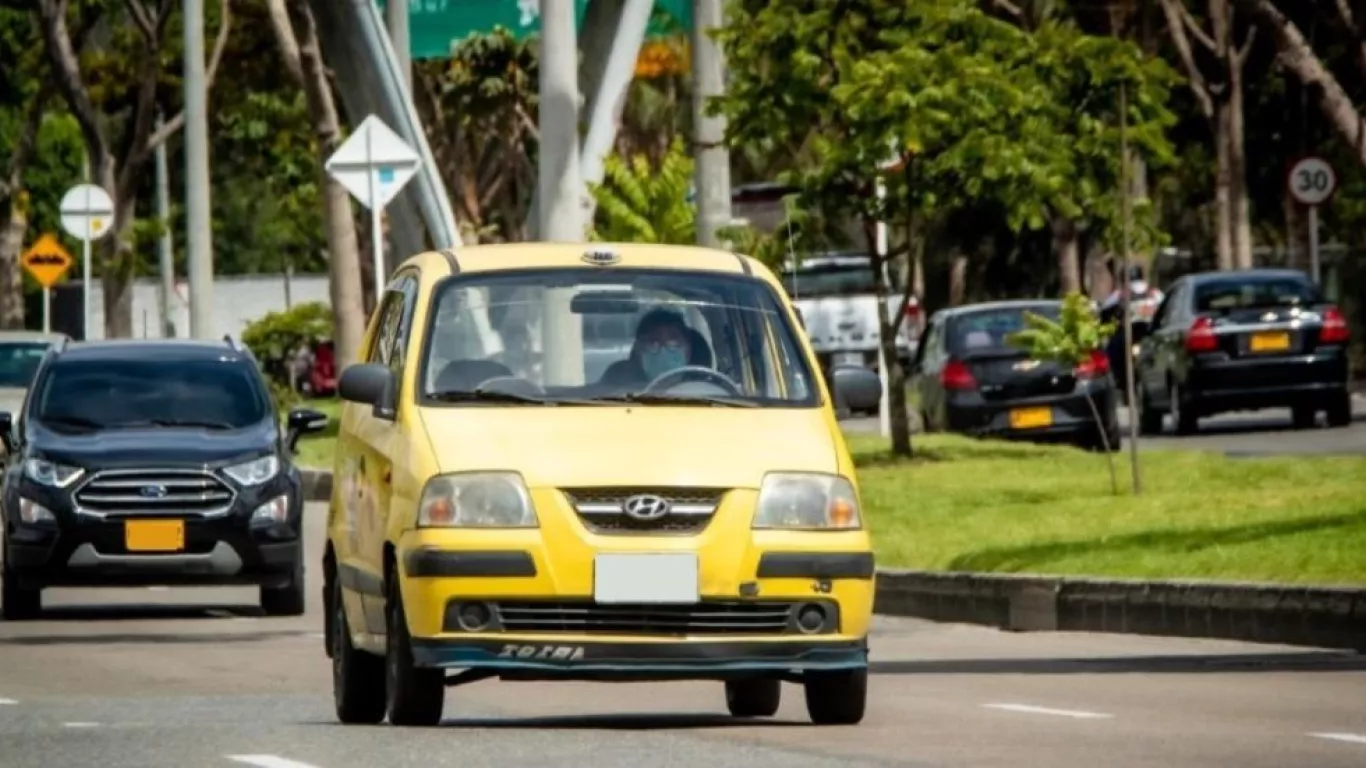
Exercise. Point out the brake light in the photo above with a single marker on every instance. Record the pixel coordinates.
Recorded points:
(957, 375)
(1094, 367)
(1334, 329)
(1200, 337)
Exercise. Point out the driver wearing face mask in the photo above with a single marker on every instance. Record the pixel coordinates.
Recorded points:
(662, 343)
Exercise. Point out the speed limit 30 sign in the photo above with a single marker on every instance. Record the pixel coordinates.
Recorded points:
(1312, 181)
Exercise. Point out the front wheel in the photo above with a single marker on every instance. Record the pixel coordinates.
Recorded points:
(837, 697)
(18, 603)
(287, 600)
(1340, 410)
(416, 695)
(753, 698)
(357, 676)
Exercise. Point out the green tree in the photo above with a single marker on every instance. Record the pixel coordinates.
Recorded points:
(1073, 340)
(638, 202)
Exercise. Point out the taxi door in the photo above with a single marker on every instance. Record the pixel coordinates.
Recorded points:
(376, 442)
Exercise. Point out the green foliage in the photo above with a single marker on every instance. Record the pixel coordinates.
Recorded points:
(638, 203)
(278, 333)
(1070, 339)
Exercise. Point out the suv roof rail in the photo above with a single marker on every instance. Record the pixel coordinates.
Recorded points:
(232, 343)
(61, 343)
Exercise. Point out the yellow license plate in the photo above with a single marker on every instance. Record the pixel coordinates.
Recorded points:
(1270, 342)
(1031, 418)
(154, 535)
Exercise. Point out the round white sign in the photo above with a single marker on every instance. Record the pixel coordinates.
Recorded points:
(87, 212)
(1312, 181)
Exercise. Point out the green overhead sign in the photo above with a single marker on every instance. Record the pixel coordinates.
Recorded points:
(434, 26)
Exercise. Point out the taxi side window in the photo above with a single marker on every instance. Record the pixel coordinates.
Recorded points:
(391, 340)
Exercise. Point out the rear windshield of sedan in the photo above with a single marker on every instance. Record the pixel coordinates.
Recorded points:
(217, 394)
(1245, 293)
(987, 332)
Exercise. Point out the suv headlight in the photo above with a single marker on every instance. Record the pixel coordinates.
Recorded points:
(476, 500)
(44, 472)
(254, 472)
(807, 501)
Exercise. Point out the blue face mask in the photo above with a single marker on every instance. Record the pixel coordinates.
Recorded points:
(662, 360)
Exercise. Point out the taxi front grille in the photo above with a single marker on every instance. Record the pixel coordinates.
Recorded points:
(116, 493)
(608, 511)
(706, 618)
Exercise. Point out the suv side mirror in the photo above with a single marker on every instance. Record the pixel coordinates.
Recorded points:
(7, 430)
(303, 421)
(370, 384)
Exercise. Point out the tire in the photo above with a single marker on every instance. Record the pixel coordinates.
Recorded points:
(415, 696)
(1303, 416)
(18, 603)
(836, 698)
(357, 676)
(287, 600)
(753, 698)
(1184, 418)
(1149, 420)
(1340, 410)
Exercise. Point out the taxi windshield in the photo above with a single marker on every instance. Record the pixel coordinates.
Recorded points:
(589, 336)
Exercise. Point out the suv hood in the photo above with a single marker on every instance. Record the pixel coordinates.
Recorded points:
(159, 446)
(565, 446)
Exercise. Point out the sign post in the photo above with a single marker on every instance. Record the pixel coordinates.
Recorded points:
(373, 164)
(1312, 182)
(47, 261)
(87, 214)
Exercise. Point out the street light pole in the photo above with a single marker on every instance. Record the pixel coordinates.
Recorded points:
(199, 235)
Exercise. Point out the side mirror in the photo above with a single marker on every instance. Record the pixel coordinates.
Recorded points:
(370, 384)
(303, 421)
(7, 430)
(856, 387)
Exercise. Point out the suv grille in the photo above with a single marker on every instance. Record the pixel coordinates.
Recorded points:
(707, 618)
(115, 493)
(603, 510)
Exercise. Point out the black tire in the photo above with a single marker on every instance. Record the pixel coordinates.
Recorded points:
(1185, 419)
(1340, 411)
(753, 698)
(18, 603)
(357, 676)
(287, 600)
(1303, 416)
(836, 698)
(415, 696)
(1149, 420)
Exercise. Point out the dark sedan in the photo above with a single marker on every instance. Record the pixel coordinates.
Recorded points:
(1243, 340)
(970, 380)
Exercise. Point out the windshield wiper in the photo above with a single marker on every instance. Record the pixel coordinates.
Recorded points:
(487, 395)
(79, 422)
(648, 398)
(182, 423)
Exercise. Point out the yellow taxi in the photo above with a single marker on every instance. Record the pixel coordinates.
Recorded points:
(607, 462)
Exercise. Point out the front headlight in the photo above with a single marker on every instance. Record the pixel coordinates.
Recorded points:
(807, 501)
(44, 472)
(254, 472)
(476, 500)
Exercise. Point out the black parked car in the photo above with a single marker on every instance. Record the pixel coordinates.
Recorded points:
(151, 462)
(971, 381)
(1244, 340)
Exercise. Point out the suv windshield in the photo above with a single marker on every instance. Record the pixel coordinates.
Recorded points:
(19, 362)
(94, 394)
(592, 336)
(987, 332)
(1247, 293)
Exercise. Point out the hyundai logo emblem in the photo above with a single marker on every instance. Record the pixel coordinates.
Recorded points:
(646, 507)
(153, 491)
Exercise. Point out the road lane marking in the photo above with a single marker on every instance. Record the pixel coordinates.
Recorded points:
(1350, 738)
(269, 761)
(1073, 713)
(159, 589)
(80, 725)
(4, 702)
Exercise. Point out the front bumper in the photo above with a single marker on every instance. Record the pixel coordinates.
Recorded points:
(79, 549)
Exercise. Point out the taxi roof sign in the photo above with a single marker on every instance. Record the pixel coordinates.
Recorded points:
(47, 260)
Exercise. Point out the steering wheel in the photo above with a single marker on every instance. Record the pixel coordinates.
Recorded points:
(711, 373)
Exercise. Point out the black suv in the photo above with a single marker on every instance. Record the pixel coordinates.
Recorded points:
(137, 463)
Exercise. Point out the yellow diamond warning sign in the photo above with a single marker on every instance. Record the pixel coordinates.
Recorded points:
(47, 260)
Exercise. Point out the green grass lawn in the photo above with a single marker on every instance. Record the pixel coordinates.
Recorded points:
(970, 505)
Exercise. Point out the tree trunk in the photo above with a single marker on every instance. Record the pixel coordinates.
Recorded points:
(889, 325)
(11, 272)
(1296, 236)
(1223, 188)
(1240, 208)
(1067, 246)
(958, 279)
(1100, 279)
(342, 247)
(1297, 56)
(114, 256)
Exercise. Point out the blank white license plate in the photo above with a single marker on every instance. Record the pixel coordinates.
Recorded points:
(640, 578)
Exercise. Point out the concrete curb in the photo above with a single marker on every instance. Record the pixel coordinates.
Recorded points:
(1322, 617)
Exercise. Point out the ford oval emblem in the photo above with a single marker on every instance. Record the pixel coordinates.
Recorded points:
(153, 492)
(646, 507)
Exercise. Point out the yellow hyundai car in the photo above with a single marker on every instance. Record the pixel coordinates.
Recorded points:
(603, 462)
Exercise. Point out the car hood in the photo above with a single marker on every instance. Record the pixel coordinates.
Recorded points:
(632, 446)
(162, 447)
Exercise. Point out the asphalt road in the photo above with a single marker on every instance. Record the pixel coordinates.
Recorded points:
(1252, 433)
(180, 678)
